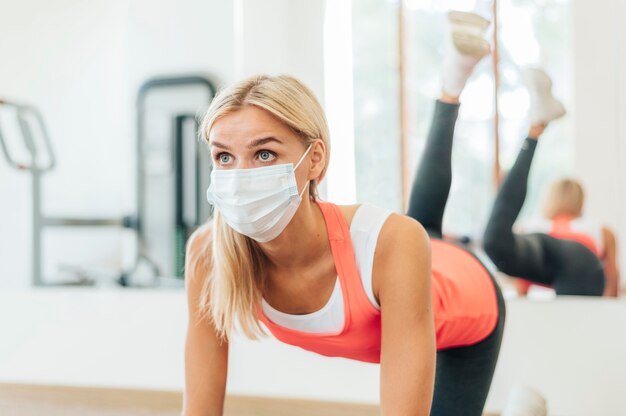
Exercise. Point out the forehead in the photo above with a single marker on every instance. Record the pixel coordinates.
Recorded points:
(248, 123)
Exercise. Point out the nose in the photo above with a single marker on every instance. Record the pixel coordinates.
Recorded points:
(245, 163)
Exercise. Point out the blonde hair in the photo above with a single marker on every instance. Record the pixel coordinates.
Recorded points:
(232, 291)
(565, 197)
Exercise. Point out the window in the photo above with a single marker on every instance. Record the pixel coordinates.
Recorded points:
(532, 32)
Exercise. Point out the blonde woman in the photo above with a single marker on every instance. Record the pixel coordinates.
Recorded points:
(353, 281)
(562, 255)
(563, 218)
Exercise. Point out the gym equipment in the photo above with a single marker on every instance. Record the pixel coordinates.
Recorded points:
(173, 172)
(40, 147)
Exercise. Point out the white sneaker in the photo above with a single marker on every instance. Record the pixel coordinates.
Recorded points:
(525, 401)
(465, 47)
(467, 22)
(544, 108)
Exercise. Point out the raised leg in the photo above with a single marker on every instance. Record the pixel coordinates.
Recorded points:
(465, 47)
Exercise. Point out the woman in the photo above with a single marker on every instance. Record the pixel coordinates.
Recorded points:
(352, 281)
(563, 212)
(558, 256)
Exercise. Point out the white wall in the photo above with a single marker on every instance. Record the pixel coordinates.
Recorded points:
(84, 79)
(620, 142)
(281, 37)
(600, 90)
(76, 76)
(311, 40)
(81, 62)
(60, 335)
(339, 101)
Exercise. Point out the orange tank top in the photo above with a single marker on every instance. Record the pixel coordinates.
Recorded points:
(561, 228)
(464, 300)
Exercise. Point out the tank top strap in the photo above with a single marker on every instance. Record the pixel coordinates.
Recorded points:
(561, 222)
(345, 259)
(335, 222)
(563, 227)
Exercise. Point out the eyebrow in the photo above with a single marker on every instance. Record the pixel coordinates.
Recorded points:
(255, 143)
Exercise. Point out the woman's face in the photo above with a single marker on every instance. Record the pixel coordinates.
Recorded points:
(253, 138)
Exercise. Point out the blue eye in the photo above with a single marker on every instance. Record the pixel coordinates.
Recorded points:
(224, 158)
(266, 155)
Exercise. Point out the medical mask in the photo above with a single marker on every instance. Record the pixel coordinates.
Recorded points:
(257, 202)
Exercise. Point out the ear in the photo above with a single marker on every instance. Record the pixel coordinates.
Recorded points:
(317, 156)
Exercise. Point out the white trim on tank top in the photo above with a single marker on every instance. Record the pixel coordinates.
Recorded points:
(581, 225)
(365, 228)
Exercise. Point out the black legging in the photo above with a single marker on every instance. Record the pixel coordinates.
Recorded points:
(568, 266)
(463, 375)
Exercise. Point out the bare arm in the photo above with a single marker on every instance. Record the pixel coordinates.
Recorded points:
(408, 351)
(206, 356)
(522, 286)
(611, 270)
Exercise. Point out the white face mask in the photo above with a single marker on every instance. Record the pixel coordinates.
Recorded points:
(257, 202)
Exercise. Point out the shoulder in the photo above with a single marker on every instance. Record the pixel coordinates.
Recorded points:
(396, 229)
(198, 254)
(402, 263)
(608, 236)
(401, 234)
(349, 211)
(607, 231)
(202, 234)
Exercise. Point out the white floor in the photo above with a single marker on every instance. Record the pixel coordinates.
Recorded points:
(573, 350)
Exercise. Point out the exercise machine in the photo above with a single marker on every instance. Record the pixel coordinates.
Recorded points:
(173, 172)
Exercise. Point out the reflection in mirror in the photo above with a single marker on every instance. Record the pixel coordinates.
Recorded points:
(531, 35)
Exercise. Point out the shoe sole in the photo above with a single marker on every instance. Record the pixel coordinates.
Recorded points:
(537, 78)
(471, 44)
(560, 112)
(552, 110)
(539, 83)
(465, 18)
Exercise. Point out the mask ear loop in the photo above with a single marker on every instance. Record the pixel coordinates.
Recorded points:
(303, 156)
(303, 189)
(298, 164)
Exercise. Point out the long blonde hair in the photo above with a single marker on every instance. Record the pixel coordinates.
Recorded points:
(565, 197)
(233, 289)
